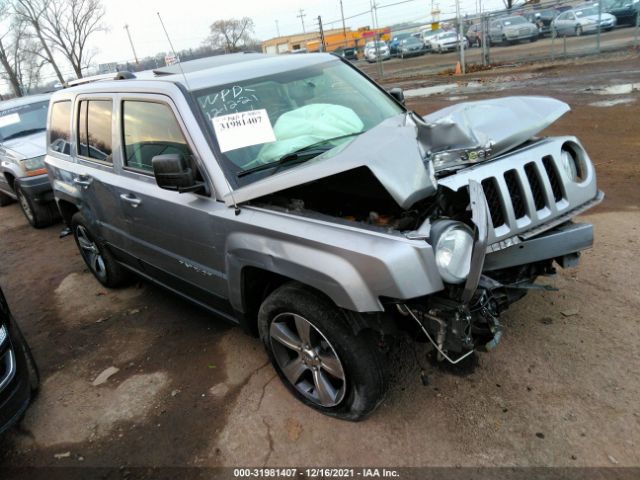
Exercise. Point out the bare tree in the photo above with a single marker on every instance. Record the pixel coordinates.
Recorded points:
(232, 35)
(32, 13)
(68, 24)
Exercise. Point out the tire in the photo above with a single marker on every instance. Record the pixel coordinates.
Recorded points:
(96, 255)
(5, 200)
(37, 214)
(578, 31)
(354, 374)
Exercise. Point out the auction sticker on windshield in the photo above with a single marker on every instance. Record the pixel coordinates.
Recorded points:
(243, 129)
(10, 119)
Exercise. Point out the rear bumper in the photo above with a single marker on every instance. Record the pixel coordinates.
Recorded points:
(563, 240)
(37, 188)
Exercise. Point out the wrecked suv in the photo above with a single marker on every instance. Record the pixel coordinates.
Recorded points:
(294, 196)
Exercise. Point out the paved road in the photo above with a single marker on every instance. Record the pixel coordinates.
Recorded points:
(562, 389)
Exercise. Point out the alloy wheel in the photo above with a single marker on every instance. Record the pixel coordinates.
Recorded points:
(307, 359)
(26, 208)
(90, 252)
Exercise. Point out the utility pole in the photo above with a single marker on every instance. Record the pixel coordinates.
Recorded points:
(322, 44)
(278, 28)
(126, 27)
(460, 37)
(344, 27)
(301, 17)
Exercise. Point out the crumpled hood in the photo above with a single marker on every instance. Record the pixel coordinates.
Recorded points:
(26, 147)
(401, 151)
(470, 132)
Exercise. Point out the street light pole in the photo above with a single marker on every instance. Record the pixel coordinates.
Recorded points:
(277, 28)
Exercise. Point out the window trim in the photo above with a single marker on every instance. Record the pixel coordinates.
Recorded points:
(50, 151)
(89, 98)
(123, 145)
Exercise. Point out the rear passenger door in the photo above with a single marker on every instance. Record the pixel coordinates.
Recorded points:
(173, 234)
(95, 174)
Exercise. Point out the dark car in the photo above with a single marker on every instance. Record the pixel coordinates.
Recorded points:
(543, 19)
(19, 377)
(474, 35)
(625, 11)
(410, 47)
(346, 52)
(394, 43)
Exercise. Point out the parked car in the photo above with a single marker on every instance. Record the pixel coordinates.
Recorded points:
(427, 35)
(394, 43)
(625, 11)
(543, 20)
(510, 30)
(376, 50)
(294, 196)
(19, 376)
(410, 47)
(474, 35)
(23, 176)
(581, 20)
(447, 41)
(349, 53)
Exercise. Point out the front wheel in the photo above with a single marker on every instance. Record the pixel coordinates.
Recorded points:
(317, 355)
(578, 31)
(96, 255)
(39, 215)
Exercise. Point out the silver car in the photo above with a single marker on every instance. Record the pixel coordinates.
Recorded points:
(23, 176)
(375, 50)
(295, 197)
(510, 30)
(581, 20)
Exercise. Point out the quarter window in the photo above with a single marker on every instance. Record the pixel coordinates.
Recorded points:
(59, 131)
(94, 130)
(150, 129)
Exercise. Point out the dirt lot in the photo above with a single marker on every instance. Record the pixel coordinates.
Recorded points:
(561, 390)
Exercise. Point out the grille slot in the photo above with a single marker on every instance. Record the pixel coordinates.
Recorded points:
(516, 193)
(492, 192)
(536, 187)
(554, 178)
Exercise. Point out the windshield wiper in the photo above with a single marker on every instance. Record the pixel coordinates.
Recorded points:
(300, 155)
(24, 133)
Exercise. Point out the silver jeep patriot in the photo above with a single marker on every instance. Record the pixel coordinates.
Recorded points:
(294, 196)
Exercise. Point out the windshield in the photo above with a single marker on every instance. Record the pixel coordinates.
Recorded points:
(265, 119)
(586, 12)
(373, 44)
(23, 120)
(445, 36)
(513, 21)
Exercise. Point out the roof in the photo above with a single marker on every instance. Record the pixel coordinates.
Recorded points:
(20, 101)
(212, 71)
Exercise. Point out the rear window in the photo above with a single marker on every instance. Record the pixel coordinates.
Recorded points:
(60, 127)
(94, 130)
(150, 129)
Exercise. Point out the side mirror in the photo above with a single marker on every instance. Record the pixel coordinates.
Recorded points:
(172, 172)
(398, 94)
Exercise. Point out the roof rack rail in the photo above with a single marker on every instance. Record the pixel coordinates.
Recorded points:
(97, 78)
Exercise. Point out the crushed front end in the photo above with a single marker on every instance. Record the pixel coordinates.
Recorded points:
(500, 223)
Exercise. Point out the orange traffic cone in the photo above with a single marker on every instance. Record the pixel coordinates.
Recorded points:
(458, 70)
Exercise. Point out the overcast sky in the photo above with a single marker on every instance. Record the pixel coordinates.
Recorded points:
(188, 20)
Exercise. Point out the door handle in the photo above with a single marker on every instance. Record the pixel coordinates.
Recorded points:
(83, 180)
(131, 199)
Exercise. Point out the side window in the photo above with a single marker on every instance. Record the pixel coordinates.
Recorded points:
(94, 129)
(59, 131)
(150, 129)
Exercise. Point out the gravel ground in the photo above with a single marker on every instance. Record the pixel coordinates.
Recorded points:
(561, 390)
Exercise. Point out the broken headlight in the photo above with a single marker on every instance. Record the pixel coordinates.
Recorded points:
(3, 334)
(571, 164)
(452, 243)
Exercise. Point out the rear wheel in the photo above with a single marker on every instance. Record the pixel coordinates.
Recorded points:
(96, 255)
(317, 355)
(37, 214)
(578, 31)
